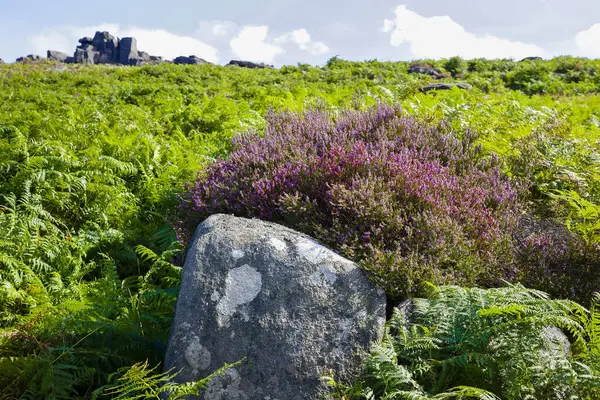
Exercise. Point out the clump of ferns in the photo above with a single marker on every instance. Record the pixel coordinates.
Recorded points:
(485, 344)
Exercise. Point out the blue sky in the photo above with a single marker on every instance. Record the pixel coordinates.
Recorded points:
(312, 31)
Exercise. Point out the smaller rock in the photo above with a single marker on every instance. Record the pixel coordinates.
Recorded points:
(189, 60)
(143, 56)
(426, 71)
(531, 59)
(446, 86)
(249, 64)
(557, 341)
(1, 61)
(57, 56)
(406, 308)
(30, 57)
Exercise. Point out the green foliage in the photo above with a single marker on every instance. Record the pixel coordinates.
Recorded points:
(485, 344)
(455, 65)
(91, 159)
(141, 382)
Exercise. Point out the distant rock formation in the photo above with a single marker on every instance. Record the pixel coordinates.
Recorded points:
(105, 48)
(30, 57)
(249, 64)
(1, 61)
(189, 60)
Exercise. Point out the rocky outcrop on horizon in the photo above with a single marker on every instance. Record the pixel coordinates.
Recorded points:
(105, 48)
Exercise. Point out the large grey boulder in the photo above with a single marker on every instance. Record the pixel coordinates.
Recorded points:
(57, 56)
(292, 307)
(128, 52)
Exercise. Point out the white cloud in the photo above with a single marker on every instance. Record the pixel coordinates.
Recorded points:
(216, 29)
(442, 37)
(158, 42)
(588, 42)
(251, 43)
(301, 38)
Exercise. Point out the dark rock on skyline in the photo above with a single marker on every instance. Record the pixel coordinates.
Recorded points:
(531, 58)
(249, 64)
(30, 57)
(426, 71)
(189, 60)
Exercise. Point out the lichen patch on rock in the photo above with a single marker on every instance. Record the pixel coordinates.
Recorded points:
(242, 285)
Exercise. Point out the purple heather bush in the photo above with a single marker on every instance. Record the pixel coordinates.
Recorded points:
(409, 201)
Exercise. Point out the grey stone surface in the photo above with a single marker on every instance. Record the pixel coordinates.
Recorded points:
(249, 64)
(446, 86)
(86, 56)
(292, 307)
(128, 52)
(1, 61)
(57, 55)
(189, 60)
(104, 41)
(86, 40)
